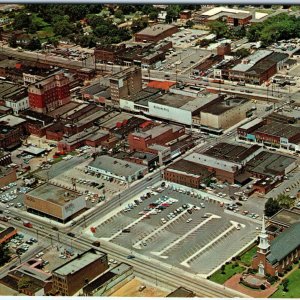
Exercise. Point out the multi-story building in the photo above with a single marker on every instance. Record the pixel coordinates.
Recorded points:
(125, 83)
(78, 272)
(7, 175)
(224, 114)
(5, 158)
(49, 93)
(155, 33)
(55, 202)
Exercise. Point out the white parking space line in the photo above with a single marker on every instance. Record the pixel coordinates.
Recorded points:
(185, 236)
(168, 224)
(231, 228)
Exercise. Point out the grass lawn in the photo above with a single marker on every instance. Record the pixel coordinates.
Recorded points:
(218, 277)
(246, 258)
(294, 287)
(46, 32)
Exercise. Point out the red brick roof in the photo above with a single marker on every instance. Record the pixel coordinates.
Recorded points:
(162, 85)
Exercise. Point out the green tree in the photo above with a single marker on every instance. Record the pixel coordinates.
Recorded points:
(153, 15)
(271, 207)
(12, 41)
(173, 12)
(119, 14)
(24, 282)
(285, 201)
(34, 44)
(242, 52)
(285, 284)
(138, 24)
(220, 29)
(63, 28)
(22, 20)
(189, 24)
(4, 255)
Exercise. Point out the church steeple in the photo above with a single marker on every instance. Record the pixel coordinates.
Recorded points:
(264, 245)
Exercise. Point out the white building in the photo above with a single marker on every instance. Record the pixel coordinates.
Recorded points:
(17, 105)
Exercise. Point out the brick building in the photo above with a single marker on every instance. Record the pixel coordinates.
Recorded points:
(76, 273)
(155, 33)
(5, 158)
(12, 129)
(185, 14)
(108, 53)
(276, 256)
(125, 83)
(186, 173)
(49, 93)
(7, 234)
(7, 175)
(162, 134)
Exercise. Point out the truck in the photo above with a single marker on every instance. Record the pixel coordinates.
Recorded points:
(27, 224)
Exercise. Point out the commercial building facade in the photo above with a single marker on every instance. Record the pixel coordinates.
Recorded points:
(55, 202)
(76, 273)
(49, 93)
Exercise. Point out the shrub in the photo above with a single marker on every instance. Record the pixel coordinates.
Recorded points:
(262, 287)
(289, 268)
(281, 274)
(238, 258)
(227, 262)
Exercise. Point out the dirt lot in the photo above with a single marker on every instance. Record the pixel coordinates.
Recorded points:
(131, 289)
(6, 291)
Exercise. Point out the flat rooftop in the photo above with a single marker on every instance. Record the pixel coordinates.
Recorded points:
(156, 30)
(279, 129)
(63, 109)
(158, 130)
(190, 168)
(173, 100)
(231, 152)
(286, 217)
(213, 162)
(251, 124)
(11, 120)
(54, 194)
(116, 166)
(111, 120)
(79, 262)
(223, 106)
(270, 164)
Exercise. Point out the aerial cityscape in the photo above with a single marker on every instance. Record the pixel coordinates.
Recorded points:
(150, 150)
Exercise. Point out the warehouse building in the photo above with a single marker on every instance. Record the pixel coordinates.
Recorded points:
(117, 168)
(219, 116)
(155, 33)
(187, 173)
(55, 202)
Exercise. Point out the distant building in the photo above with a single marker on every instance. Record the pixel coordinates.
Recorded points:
(125, 83)
(155, 33)
(55, 202)
(49, 93)
(185, 14)
(69, 278)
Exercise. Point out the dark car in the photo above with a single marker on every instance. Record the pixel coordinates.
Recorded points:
(96, 244)
(71, 234)
(126, 230)
(130, 256)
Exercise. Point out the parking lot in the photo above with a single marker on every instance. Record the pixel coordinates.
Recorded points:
(86, 183)
(190, 231)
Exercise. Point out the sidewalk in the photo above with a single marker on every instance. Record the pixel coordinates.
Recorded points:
(234, 284)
